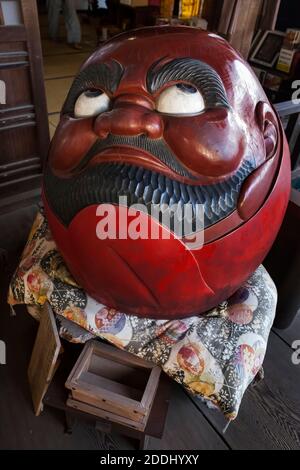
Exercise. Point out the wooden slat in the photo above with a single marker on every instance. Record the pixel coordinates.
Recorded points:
(80, 366)
(8, 175)
(124, 357)
(151, 388)
(106, 404)
(44, 358)
(17, 125)
(269, 415)
(106, 414)
(14, 64)
(6, 184)
(19, 164)
(14, 109)
(13, 54)
(16, 118)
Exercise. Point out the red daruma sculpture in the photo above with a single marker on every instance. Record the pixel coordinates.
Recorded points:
(165, 117)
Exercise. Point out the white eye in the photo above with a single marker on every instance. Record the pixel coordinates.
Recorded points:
(91, 103)
(180, 99)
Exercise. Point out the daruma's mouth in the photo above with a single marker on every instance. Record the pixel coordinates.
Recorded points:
(107, 182)
(155, 149)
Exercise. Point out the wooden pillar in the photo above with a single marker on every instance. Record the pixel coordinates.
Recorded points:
(237, 23)
(269, 14)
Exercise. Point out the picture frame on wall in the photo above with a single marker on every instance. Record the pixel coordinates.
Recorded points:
(257, 37)
(268, 48)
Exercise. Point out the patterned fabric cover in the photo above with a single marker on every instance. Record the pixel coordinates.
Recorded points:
(215, 356)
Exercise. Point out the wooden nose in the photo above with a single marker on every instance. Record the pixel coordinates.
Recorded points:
(130, 119)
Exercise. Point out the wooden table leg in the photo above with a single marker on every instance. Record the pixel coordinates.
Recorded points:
(144, 442)
(69, 422)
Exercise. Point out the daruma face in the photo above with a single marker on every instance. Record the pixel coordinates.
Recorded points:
(161, 117)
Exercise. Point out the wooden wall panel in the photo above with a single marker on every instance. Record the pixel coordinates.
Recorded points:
(24, 132)
(18, 85)
(17, 144)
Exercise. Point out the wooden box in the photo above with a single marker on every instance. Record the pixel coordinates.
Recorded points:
(113, 384)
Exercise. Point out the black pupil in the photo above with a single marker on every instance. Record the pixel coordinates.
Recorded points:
(186, 88)
(92, 93)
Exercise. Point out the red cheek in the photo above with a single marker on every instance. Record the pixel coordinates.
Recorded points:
(71, 141)
(209, 147)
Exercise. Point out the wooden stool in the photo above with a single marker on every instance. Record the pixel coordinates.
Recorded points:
(47, 377)
(113, 384)
(57, 395)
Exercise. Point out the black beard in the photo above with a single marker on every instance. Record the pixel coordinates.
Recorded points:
(106, 182)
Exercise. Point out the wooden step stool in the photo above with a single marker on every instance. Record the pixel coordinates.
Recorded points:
(114, 389)
(113, 385)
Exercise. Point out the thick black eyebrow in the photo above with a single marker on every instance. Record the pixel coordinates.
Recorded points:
(193, 71)
(104, 76)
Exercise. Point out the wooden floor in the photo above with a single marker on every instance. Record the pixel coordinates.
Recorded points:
(269, 417)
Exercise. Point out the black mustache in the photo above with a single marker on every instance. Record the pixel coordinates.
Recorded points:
(156, 147)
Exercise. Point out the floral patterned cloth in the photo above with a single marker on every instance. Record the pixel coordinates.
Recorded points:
(215, 356)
